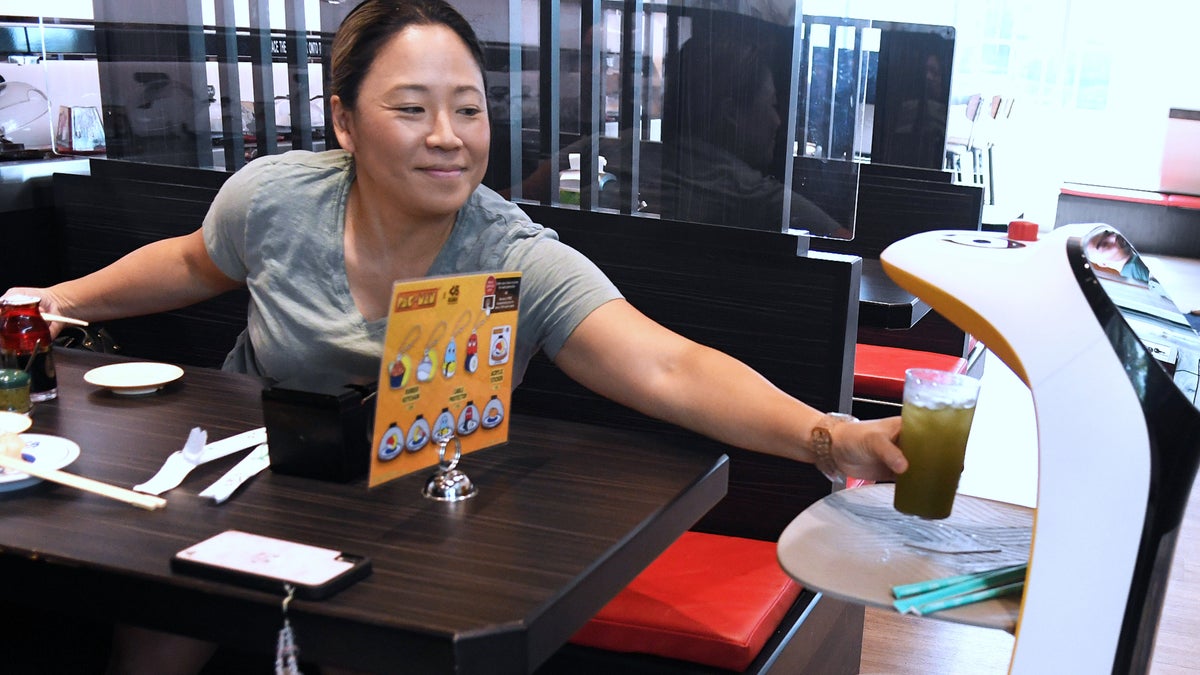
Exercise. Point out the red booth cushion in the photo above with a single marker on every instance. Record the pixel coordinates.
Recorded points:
(708, 599)
(1115, 194)
(879, 370)
(1136, 196)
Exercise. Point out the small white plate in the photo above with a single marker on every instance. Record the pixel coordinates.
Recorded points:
(13, 422)
(135, 378)
(51, 452)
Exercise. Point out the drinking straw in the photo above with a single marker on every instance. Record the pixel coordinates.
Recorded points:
(957, 586)
(968, 598)
(905, 590)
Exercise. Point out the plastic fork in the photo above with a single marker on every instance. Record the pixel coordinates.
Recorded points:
(195, 453)
(178, 465)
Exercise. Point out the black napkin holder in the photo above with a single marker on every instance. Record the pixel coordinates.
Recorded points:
(319, 429)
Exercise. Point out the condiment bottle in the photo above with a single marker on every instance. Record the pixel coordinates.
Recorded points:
(25, 343)
(14, 390)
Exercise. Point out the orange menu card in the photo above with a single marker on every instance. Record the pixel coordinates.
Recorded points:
(446, 371)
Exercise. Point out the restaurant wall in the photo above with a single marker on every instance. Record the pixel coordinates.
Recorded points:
(1093, 83)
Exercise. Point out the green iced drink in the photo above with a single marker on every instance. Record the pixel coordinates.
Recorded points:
(935, 423)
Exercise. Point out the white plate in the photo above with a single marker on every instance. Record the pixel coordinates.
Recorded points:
(131, 379)
(51, 452)
(13, 422)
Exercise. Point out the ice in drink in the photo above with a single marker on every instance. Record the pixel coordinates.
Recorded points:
(935, 423)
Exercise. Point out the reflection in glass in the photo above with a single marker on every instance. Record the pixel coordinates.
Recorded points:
(714, 115)
(1111, 253)
(912, 95)
(692, 117)
(21, 104)
(722, 128)
(173, 82)
(1166, 332)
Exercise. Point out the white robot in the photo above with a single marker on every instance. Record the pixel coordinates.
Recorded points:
(1112, 366)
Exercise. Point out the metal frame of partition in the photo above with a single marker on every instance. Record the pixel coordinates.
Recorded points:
(230, 80)
(629, 117)
(591, 102)
(829, 84)
(548, 87)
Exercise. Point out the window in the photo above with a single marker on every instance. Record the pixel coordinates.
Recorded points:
(159, 79)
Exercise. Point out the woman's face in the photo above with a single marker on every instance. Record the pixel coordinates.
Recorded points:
(420, 131)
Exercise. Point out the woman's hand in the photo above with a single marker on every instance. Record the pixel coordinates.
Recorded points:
(49, 303)
(868, 449)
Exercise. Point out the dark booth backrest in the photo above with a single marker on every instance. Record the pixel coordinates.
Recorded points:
(124, 205)
(792, 318)
(897, 202)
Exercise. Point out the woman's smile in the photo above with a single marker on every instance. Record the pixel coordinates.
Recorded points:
(444, 171)
(421, 114)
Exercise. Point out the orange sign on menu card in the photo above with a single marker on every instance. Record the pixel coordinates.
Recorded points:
(446, 370)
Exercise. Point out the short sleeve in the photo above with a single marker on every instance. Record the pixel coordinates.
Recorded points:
(561, 287)
(225, 224)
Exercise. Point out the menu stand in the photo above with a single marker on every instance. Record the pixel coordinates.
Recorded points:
(449, 484)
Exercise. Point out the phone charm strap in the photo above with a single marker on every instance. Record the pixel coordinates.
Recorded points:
(286, 650)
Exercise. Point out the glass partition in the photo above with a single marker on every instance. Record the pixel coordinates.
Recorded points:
(208, 83)
(750, 115)
(26, 125)
(723, 113)
(683, 110)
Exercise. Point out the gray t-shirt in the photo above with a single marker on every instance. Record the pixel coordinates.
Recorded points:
(277, 224)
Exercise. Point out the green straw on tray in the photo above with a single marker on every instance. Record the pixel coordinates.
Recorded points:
(911, 596)
(905, 590)
(968, 598)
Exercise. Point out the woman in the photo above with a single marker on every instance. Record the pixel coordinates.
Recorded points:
(319, 238)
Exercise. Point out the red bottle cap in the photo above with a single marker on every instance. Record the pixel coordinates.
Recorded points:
(1023, 230)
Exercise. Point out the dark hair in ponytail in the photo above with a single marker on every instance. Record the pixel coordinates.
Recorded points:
(372, 23)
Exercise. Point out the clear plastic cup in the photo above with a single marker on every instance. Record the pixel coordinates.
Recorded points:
(936, 420)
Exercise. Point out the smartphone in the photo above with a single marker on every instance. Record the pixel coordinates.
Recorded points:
(267, 563)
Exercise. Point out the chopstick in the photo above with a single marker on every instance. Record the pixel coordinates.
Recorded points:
(63, 319)
(148, 502)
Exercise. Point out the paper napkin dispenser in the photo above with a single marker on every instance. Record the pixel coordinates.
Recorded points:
(1112, 365)
(317, 428)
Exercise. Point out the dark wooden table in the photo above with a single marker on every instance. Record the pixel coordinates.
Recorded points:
(883, 304)
(566, 515)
